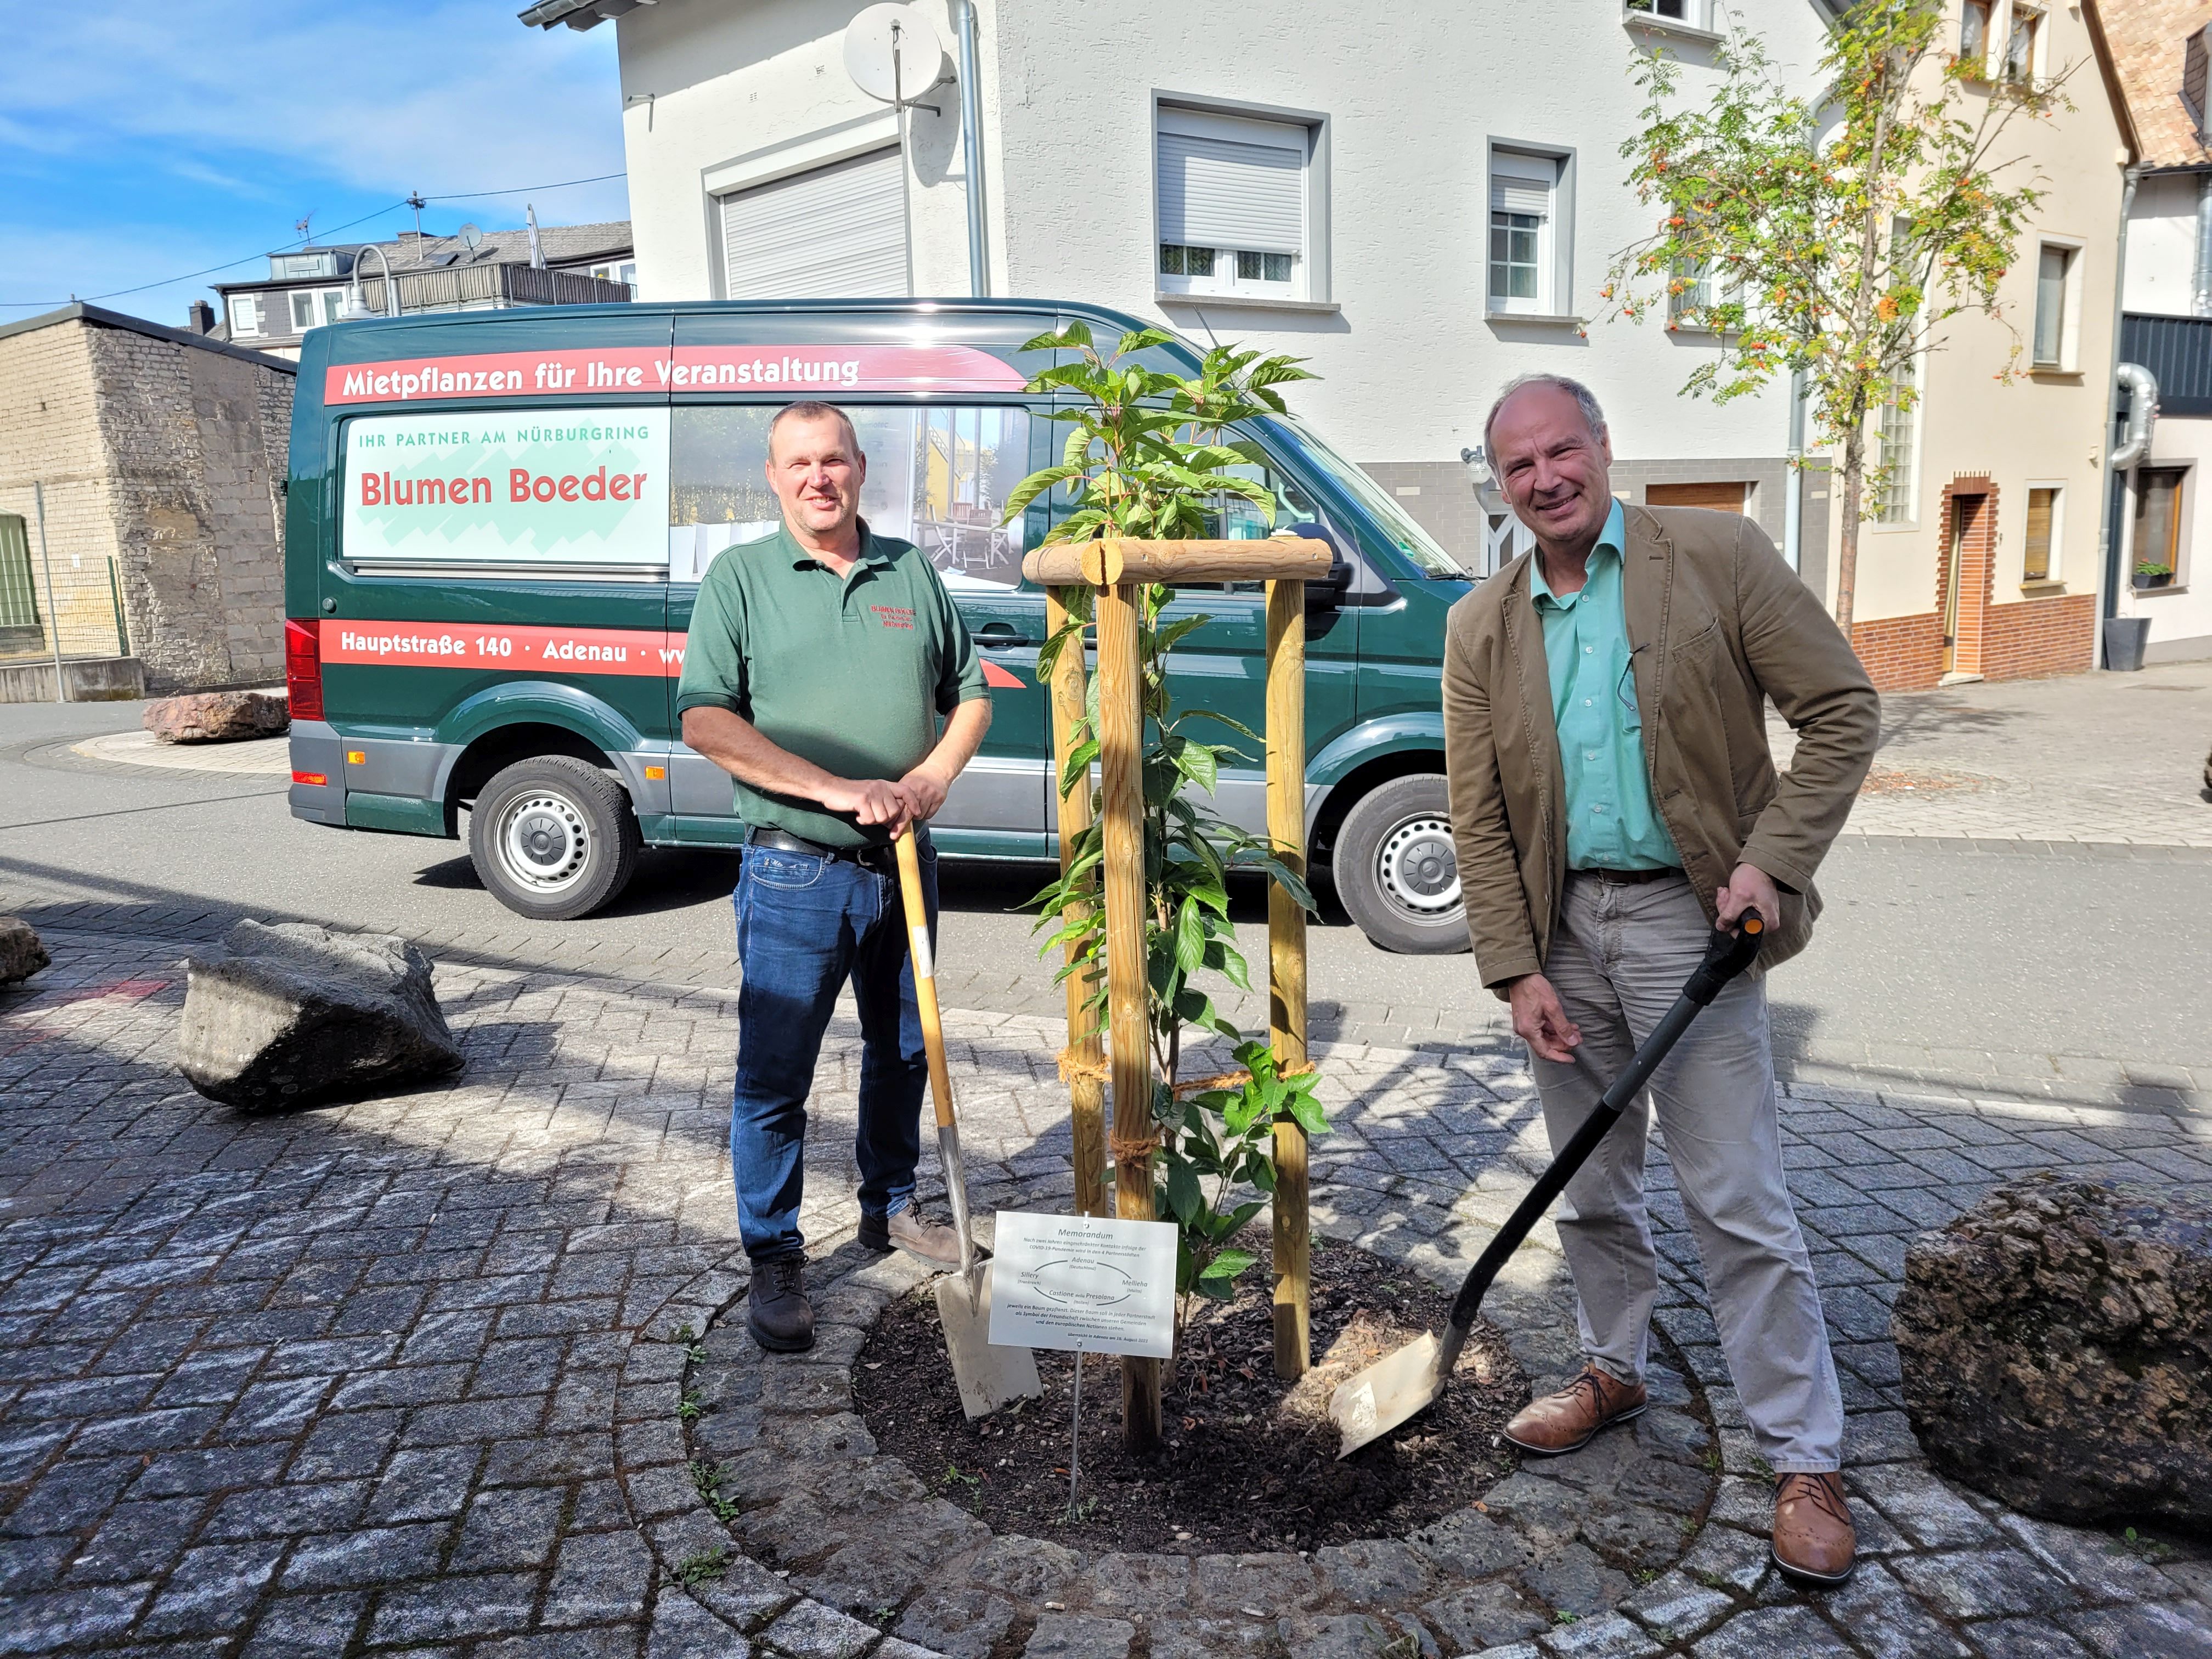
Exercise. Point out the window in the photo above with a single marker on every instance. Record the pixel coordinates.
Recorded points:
(2022, 42)
(839, 230)
(313, 307)
(1693, 14)
(938, 476)
(2038, 561)
(1974, 35)
(2156, 544)
(244, 313)
(1232, 193)
(1896, 438)
(1525, 251)
(2054, 285)
(19, 597)
(1419, 548)
(624, 273)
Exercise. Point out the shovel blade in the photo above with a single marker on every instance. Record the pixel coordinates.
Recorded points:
(989, 1376)
(1369, 1405)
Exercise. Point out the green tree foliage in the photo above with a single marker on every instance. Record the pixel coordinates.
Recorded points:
(1153, 456)
(1831, 238)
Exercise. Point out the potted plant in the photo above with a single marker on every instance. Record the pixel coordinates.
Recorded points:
(2149, 574)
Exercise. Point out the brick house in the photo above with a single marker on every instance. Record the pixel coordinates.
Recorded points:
(155, 457)
(1984, 558)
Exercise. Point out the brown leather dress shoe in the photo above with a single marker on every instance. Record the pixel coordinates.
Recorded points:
(1565, 1421)
(1813, 1539)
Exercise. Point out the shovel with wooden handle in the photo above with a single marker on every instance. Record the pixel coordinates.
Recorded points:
(1402, 1384)
(989, 1376)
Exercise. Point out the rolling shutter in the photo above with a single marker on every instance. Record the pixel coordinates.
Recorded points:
(838, 232)
(1230, 183)
(1718, 497)
(1522, 184)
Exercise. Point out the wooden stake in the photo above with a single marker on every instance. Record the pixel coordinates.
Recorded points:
(1120, 765)
(1086, 1091)
(1286, 965)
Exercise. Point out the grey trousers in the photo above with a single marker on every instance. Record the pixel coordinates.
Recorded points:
(1617, 960)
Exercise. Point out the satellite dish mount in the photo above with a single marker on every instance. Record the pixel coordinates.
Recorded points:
(893, 54)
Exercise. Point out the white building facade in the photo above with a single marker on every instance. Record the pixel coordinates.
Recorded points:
(2162, 575)
(1422, 204)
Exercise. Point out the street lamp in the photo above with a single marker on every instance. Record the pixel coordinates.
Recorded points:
(355, 308)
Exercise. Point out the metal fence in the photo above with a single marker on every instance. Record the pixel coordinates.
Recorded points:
(56, 601)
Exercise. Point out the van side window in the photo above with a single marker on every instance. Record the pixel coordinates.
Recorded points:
(938, 476)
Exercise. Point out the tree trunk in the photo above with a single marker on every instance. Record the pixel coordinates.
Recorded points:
(1847, 555)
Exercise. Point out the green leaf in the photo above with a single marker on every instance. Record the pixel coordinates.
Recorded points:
(1307, 1112)
(1184, 1198)
(1190, 938)
(1228, 1264)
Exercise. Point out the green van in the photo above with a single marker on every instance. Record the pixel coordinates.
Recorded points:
(497, 522)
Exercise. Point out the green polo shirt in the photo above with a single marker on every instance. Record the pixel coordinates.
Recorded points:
(1612, 822)
(852, 674)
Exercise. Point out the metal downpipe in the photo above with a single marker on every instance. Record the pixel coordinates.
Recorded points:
(971, 150)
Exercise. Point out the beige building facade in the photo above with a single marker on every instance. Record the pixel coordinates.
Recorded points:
(142, 476)
(1985, 557)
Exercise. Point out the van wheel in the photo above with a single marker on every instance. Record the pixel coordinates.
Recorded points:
(554, 838)
(1396, 870)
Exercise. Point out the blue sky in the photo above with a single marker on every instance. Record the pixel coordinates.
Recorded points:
(141, 140)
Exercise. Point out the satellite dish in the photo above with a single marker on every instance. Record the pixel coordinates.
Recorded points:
(472, 238)
(893, 54)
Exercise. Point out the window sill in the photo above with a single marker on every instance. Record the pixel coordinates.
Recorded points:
(2158, 592)
(2044, 587)
(1535, 319)
(1644, 23)
(2052, 371)
(1246, 303)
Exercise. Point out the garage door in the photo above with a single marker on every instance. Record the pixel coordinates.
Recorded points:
(838, 232)
(1722, 497)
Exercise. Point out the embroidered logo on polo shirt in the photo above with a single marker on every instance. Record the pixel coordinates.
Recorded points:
(894, 616)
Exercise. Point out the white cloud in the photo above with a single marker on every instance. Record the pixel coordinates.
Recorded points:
(443, 98)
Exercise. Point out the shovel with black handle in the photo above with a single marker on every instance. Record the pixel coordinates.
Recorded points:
(989, 1376)
(1400, 1385)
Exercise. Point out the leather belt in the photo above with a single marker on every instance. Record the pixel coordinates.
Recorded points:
(881, 860)
(1628, 877)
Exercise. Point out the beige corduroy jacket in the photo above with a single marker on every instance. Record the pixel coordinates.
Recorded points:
(1718, 624)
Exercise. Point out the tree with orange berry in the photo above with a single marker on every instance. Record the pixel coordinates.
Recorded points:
(1832, 236)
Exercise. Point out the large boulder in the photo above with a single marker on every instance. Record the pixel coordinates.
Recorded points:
(295, 1014)
(2057, 1342)
(22, 953)
(219, 716)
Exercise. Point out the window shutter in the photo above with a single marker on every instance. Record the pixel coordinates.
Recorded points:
(1242, 192)
(839, 231)
(1522, 184)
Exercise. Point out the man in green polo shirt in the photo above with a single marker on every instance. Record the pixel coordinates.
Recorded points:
(827, 673)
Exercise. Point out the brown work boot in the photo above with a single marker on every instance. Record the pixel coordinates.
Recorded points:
(917, 1235)
(1813, 1539)
(1565, 1421)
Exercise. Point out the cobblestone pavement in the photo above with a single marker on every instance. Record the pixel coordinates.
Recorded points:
(389, 1378)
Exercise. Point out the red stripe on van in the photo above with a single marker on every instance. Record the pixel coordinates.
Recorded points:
(792, 371)
(516, 649)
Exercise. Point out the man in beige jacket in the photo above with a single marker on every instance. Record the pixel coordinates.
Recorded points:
(1613, 799)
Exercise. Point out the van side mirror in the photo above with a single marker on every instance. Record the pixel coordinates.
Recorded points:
(1328, 593)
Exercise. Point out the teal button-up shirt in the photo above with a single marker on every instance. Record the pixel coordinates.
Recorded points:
(1612, 822)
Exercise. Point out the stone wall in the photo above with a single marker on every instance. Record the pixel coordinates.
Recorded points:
(165, 454)
(196, 442)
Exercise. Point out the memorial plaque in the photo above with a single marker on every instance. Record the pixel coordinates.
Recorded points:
(1084, 1283)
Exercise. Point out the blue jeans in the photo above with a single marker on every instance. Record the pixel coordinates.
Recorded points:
(806, 924)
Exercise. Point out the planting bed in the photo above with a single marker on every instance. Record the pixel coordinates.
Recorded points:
(1249, 1463)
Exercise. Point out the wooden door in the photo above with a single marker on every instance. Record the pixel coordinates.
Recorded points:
(1721, 497)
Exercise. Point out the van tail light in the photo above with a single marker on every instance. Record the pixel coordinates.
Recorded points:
(303, 668)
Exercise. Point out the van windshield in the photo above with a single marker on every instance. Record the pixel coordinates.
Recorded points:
(1416, 543)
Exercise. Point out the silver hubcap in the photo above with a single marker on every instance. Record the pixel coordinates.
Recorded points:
(1418, 870)
(545, 842)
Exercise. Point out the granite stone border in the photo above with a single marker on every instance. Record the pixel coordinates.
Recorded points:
(785, 1522)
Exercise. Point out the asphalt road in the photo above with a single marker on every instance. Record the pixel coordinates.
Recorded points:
(1928, 944)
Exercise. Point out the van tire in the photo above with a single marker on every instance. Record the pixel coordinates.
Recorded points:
(553, 838)
(1396, 871)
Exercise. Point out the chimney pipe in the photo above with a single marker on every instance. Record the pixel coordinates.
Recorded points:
(199, 317)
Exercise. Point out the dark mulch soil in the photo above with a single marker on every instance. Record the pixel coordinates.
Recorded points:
(1248, 1465)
